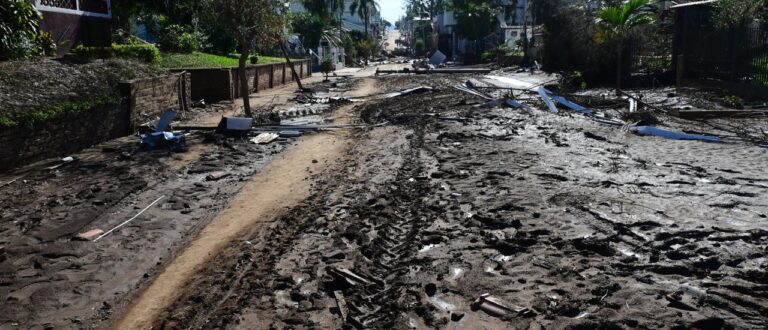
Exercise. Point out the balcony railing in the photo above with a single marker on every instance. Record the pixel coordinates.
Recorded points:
(97, 8)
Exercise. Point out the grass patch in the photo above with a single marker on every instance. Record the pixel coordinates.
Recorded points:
(37, 116)
(205, 60)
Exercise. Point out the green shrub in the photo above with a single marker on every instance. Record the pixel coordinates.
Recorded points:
(488, 56)
(733, 101)
(419, 47)
(37, 116)
(20, 35)
(122, 37)
(326, 66)
(177, 39)
(45, 44)
(146, 53)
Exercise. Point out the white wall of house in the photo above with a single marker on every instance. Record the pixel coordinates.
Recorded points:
(73, 7)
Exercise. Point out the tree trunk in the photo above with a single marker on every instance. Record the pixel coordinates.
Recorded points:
(618, 69)
(244, 93)
(366, 23)
(293, 70)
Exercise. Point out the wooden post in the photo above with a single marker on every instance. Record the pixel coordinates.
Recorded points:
(272, 75)
(680, 70)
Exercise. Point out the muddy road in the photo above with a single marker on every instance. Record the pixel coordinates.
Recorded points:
(458, 217)
(445, 215)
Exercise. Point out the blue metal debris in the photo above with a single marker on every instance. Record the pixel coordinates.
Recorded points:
(544, 94)
(165, 120)
(572, 106)
(653, 131)
(160, 137)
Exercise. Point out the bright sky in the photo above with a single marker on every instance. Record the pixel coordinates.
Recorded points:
(391, 10)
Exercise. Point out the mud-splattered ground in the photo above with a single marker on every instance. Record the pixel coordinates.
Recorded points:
(564, 222)
(51, 278)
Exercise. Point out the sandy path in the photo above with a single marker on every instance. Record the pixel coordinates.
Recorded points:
(282, 184)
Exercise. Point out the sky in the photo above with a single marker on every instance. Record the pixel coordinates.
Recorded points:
(391, 10)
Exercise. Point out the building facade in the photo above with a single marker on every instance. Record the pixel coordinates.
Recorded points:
(72, 22)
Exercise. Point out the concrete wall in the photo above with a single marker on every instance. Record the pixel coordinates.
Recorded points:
(148, 98)
(72, 132)
(222, 84)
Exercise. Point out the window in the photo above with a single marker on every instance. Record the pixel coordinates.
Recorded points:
(99, 8)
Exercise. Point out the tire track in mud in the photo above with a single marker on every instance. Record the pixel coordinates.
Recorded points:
(388, 255)
(253, 206)
(444, 212)
(246, 271)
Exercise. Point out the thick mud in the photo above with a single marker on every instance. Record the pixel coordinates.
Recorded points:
(51, 278)
(466, 218)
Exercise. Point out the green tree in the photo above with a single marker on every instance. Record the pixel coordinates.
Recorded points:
(367, 48)
(324, 8)
(364, 9)
(418, 8)
(19, 29)
(476, 19)
(618, 22)
(326, 66)
(250, 21)
(739, 13)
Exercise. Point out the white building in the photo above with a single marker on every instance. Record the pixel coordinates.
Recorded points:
(350, 22)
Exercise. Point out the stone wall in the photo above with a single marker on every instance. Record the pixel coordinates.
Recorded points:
(223, 84)
(64, 135)
(148, 98)
(141, 100)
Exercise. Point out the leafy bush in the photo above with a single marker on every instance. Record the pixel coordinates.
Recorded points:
(177, 39)
(733, 101)
(46, 44)
(20, 35)
(146, 53)
(487, 56)
(326, 66)
(419, 47)
(122, 37)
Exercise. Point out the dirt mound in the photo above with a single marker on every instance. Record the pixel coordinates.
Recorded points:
(27, 85)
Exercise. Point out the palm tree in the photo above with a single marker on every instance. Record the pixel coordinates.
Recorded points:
(617, 22)
(363, 8)
(324, 8)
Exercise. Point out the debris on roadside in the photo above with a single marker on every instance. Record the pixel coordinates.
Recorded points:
(129, 220)
(496, 307)
(410, 91)
(89, 235)
(544, 95)
(667, 134)
(235, 125)
(265, 138)
(290, 134)
(351, 277)
(161, 137)
(341, 304)
(61, 163)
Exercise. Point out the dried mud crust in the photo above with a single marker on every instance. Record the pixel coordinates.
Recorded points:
(577, 225)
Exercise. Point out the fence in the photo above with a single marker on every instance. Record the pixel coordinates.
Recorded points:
(651, 51)
(736, 55)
